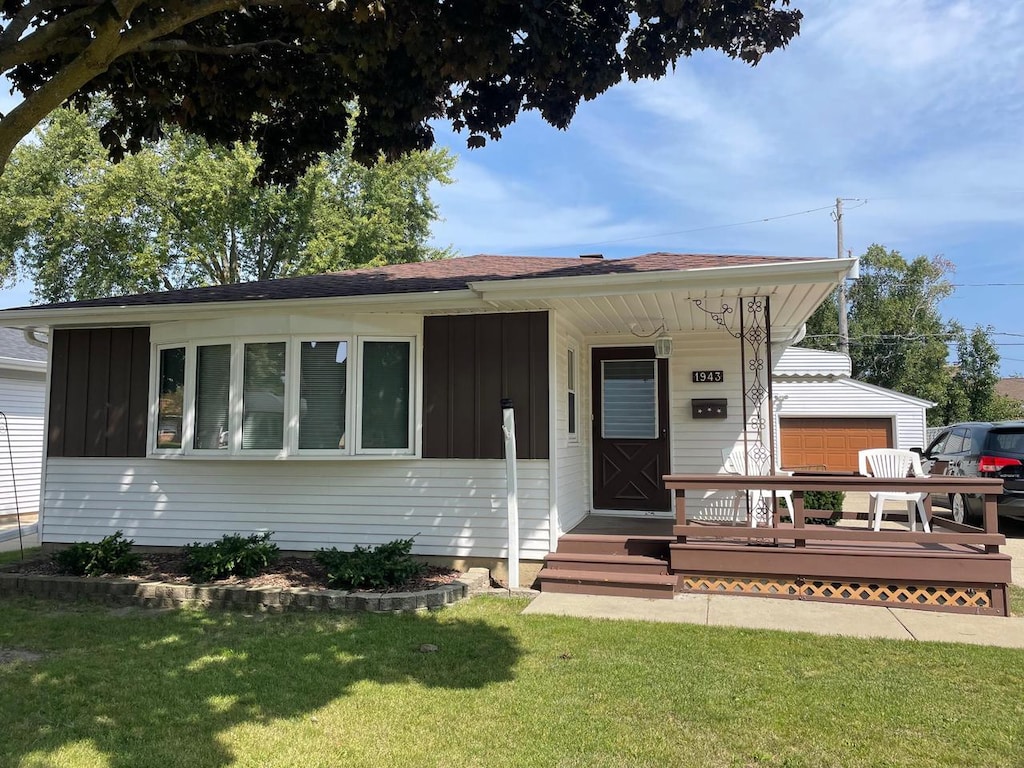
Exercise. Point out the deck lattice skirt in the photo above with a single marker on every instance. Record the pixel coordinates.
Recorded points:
(899, 594)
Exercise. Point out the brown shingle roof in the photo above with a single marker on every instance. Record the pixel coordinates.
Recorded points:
(423, 277)
(1011, 387)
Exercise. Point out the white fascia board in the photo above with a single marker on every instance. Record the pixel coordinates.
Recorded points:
(738, 277)
(128, 315)
(857, 384)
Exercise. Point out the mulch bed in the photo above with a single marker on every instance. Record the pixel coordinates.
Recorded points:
(285, 573)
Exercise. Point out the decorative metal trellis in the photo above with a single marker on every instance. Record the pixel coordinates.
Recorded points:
(753, 317)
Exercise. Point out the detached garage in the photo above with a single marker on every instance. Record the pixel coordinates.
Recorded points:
(825, 417)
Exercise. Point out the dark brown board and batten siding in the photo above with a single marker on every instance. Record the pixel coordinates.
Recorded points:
(99, 390)
(471, 362)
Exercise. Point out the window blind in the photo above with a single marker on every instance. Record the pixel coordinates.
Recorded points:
(322, 394)
(213, 382)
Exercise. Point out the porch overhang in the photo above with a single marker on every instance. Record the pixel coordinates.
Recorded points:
(620, 303)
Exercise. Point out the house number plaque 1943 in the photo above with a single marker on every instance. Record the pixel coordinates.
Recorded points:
(708, 377)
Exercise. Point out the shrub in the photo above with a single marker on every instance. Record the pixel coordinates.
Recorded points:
(388, 565)
(112, 554)
(233, 555)
(825, 501)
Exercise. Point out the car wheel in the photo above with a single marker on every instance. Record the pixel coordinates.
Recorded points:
(957, 503)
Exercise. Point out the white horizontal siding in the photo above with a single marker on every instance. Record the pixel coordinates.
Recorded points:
(452, 507)
(697, 444)
(572, 486)
(844, 398)
(799, 361)
(22, 401)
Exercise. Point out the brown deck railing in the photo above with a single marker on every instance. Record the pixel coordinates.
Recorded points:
(987, 539)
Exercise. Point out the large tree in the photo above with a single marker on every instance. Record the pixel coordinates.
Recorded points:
(282, 73)
(972, 391)
(900, 340)
(180, 213)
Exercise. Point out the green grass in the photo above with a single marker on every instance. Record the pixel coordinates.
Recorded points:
(13, 557)
(132, 689)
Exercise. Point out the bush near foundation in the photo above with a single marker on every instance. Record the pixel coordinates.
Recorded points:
(233, 555)
(112, 554)
(387, 565)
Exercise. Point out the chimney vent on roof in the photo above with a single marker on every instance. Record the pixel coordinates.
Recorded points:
(591, 255)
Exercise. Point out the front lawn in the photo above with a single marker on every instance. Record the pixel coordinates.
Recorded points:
(131, 688)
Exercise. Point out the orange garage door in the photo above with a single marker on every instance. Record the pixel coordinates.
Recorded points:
(830, 443)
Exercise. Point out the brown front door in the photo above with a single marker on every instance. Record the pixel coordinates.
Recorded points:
(631, 451)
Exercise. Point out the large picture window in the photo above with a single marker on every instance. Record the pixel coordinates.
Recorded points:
(285, 397)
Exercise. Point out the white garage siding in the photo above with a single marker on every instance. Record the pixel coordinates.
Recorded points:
(842, 397)
(453, 507)
(22, 397)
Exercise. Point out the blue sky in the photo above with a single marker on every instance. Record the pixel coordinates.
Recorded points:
(915, 107)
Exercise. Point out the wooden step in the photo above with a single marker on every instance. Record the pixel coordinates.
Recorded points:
(606, 563)
(581, 582)
(615, 544)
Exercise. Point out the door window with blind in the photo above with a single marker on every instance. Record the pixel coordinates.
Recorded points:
(629, 399)
(285, 397)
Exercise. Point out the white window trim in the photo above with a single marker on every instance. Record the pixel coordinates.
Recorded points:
(572, 386)
(413, 398)
(353, 412)
(154, 403)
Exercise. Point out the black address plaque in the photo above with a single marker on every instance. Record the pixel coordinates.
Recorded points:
(708, 377)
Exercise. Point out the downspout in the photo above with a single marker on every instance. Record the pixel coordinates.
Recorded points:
(508, 415)
(30, 337)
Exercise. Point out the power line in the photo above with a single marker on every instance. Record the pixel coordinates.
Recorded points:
(696, 229)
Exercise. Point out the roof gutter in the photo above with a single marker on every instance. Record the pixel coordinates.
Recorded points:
(129, 314)
(690, 280)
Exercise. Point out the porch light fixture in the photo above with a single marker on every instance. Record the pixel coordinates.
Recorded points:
(663, 345)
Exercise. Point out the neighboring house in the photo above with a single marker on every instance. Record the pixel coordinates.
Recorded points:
(363, 406)
(1011, 387)
(22, 403)
(826, 417)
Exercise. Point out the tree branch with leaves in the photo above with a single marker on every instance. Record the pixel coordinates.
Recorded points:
(282, 74)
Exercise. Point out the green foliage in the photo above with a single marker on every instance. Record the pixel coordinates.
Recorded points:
(112, 554)
(825, 500)
(899, 339)
(822, 500)
(972, 393)
(387, 565)
(180, 213)
(233, 555)
(284, 73)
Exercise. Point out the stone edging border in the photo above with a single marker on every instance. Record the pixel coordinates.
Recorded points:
(158, 594)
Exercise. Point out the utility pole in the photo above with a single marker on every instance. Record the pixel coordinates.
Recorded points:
(844, 331)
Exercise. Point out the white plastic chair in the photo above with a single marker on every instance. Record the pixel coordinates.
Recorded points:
(893, 463)
(734, 463)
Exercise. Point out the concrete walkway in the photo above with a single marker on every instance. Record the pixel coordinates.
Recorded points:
(10, 540)
(792, 616)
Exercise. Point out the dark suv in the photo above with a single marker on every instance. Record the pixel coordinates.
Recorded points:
(979, 449)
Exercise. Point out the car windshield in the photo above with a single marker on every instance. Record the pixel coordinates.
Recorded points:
(1008, 441)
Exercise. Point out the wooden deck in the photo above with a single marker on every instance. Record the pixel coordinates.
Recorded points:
(953, 568)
